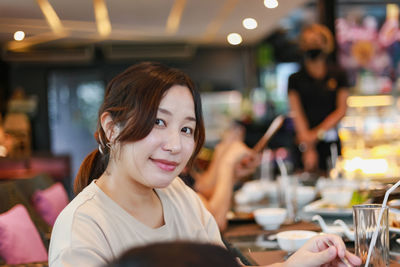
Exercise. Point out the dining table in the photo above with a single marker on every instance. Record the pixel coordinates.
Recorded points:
(258, 247)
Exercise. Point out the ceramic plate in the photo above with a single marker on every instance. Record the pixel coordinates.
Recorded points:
(322, 208)
(239, 216)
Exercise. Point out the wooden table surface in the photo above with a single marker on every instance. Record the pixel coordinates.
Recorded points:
(268, 256)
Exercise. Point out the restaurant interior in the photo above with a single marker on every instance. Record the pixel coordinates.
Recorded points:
(57, 58)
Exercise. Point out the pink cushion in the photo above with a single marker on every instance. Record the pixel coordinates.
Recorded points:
(50, 202)
(19, 239)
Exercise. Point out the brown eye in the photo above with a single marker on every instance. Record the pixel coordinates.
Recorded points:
(160, 122)
(187, 130)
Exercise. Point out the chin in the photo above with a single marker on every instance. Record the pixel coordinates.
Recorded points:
(163, 182)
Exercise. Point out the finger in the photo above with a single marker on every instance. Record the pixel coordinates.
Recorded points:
(353, 259)
(321, 245)
(340, 264)
(325, 256)
(248, 158)
(338, 243)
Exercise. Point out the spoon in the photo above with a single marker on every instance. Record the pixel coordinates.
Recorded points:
(349, 233)
(338, 230)
(343, 259)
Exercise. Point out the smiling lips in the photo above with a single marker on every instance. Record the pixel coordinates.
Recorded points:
(165, 164)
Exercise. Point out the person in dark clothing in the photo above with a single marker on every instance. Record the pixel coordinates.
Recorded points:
(178, 254)
(317, 97)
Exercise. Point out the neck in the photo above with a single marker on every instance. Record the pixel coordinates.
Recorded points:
(316, 70)
(124, 189)
(139, 201)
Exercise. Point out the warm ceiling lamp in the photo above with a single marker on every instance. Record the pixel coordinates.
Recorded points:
(370, 101)
(19, 36)
(249, 23)
(271, 3)
(234, 38)
(51, 16)
(175, 16)
(102, 19)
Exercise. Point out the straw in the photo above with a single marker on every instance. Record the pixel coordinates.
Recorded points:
(375, 234)
(285, 182)
(282, 167)
(266, 165)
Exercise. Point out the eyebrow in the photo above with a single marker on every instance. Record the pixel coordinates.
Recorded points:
(167, 112)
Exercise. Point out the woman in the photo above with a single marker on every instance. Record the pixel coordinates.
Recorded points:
(150, 126)
(317, 97)
(215, 185)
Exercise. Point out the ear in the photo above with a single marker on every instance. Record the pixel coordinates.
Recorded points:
(110, 129)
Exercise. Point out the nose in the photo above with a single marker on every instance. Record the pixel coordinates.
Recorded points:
(172, 142)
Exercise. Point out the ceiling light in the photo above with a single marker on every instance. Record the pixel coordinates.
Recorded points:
(19, 36)
(249, 23)
(51, 16)
(234, 38)
(175, 16)
(271, 3)
(370, 101)
(102, 19)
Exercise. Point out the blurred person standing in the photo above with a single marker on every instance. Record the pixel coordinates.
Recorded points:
(317, 97)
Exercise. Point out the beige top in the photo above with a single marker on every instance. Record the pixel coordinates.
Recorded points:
(93, 230)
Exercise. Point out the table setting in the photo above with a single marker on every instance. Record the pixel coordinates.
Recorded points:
(268, 230)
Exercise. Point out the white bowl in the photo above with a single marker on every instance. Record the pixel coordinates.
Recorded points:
(270, 218)
(291, 241)
(340, 196)
(305, 194)
(244, 197)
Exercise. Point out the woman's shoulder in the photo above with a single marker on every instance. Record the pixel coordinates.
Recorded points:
(84, 205)
(300, 74)
(76, 224)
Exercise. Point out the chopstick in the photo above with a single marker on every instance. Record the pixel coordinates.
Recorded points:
(272, 129)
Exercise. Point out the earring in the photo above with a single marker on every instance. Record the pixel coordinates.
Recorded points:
(109, 145)
(101, 150)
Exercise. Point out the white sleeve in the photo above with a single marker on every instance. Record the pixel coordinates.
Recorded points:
(207, 219)
(80, 244)
(213, 230)
(72, 257)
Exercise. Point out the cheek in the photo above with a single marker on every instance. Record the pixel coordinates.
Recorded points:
(189, 148)
(153, 139)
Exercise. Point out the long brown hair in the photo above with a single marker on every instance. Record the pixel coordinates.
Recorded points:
(132, 99)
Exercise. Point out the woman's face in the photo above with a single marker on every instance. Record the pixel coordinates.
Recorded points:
(158, 158)
(312, 40)
(316, 68)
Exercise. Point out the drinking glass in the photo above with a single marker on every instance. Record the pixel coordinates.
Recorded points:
(365, 221)
(288, 196)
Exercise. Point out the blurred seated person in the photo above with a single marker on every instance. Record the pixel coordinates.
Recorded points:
(317, 98)
(186, 253)
(231, 162)
(6, 142)
(178, 254)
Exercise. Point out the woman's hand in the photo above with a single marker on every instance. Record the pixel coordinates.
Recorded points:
(235, 153)
(323, 250)
(307, 136)
(247, 165)
(233, 135)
